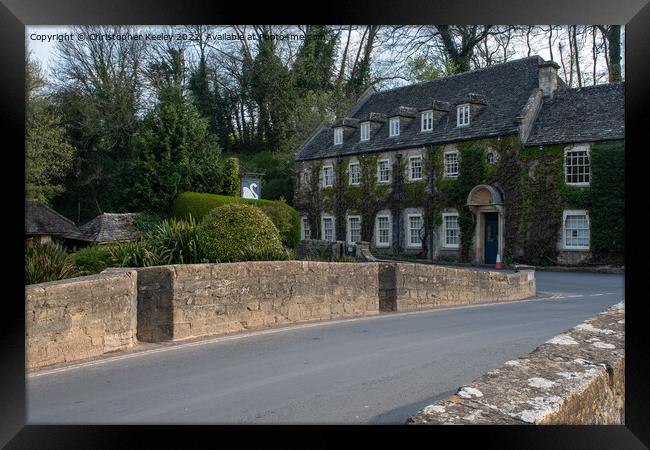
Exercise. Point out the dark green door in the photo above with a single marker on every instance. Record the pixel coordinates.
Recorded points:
(491, 237)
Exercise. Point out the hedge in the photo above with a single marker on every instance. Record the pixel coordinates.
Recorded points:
(230, 232)
(284, 217)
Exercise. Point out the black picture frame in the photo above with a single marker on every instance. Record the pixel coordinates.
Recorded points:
(16, 14)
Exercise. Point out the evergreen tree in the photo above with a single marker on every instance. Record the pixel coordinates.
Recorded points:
(313, 69)
(271, 90)
(174, 152)
(48, 154)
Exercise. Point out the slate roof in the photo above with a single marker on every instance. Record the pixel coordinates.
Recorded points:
(585, 114)
(109, 227)
(506, 87)
(43, 220)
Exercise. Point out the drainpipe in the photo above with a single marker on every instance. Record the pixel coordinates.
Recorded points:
(397, 193)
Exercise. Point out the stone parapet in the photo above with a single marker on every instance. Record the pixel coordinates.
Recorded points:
(79, 318)
(424, 286)
(575, 378)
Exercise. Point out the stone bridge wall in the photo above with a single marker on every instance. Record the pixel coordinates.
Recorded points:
(182, 301)
(79, 318)
(424, 286)
(84, 317)
(576, 378)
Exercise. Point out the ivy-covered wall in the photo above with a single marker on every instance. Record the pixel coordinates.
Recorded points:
(531, 180)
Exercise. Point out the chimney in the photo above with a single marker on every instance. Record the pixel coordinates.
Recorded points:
(548, 77)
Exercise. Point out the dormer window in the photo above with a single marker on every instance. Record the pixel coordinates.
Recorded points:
(427, 121)
(365, 131)
(393, 127)
(462, 115)
(338, 136)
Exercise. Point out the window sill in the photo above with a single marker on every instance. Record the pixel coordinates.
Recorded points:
(578, 184)
(575, 249)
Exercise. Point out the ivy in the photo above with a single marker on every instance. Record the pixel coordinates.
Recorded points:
(607, 200)
(531, 180)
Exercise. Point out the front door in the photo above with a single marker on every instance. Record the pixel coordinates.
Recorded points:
(491, 237)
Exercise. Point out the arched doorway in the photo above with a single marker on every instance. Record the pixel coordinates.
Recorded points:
(486, 203)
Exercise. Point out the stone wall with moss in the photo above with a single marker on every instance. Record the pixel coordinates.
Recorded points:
(531, 180)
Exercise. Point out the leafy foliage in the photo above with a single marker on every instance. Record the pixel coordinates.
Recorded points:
(174, 152)
(607, 199)
(93, 259)
(232, 184)
(284, 217)
(47, 262)
(169, 242)
(229, 230)
(48, 153)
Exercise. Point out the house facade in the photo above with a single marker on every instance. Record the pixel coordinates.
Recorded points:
(503, 160)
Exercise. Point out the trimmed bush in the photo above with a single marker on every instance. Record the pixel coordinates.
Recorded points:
(284, 217)
(227, 231)
(93, 259)
(47, 262)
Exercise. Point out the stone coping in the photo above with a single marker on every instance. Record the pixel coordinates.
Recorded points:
(574, 378)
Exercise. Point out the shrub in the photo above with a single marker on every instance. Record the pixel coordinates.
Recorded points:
(135, 254)
(232, 184)
(169, 242)
(93, 259)
(316, 250)
(47, 262)
(228, 230)
(198, 205)
(146, 221)
(251, 253)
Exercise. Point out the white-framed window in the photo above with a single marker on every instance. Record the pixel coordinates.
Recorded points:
(306, 231)
(365, 131)
(393, 126)
(338, 136)
(328, 176)
(383, 230)
(462, 115)
(383, 170)
(415, 168)
(327, 228)
(450, 230)
(451, 163)
(414, 223)
(577, 167)
(355, 173)
(427, 121)
(490, 157)
(575, 230)
(354, 229)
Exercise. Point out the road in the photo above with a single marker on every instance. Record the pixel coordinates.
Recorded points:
(376, 370)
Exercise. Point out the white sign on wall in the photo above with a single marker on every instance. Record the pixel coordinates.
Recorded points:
(251, 187)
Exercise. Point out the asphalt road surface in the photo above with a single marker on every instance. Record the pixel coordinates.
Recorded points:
(376, 370)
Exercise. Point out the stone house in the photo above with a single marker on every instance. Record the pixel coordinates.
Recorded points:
(502, 160)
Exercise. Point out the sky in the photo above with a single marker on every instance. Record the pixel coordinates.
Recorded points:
(44, 51)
